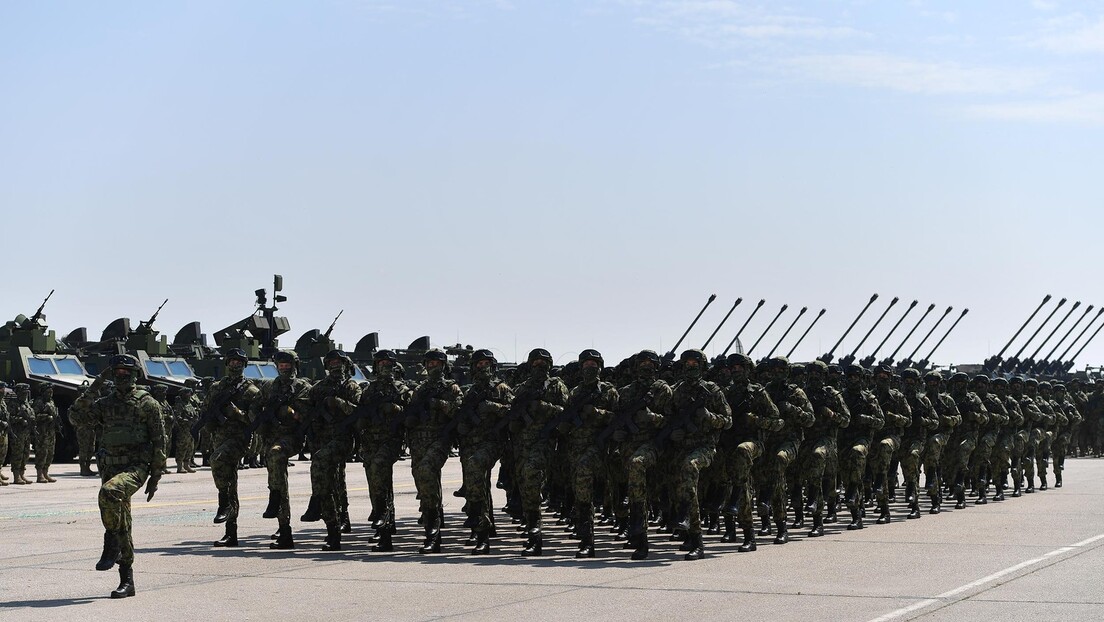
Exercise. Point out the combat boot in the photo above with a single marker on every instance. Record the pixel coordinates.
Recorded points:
(533, 545)
(333, 537)
(17, 477)
(748, 544)
(799, 516)
(39, 477)
(913, 504)
(730, 529)
(52, 480)
(126, 582)
(432, 544)
(697, 547)
(983, 492)
(180, 468)
(1042, 481)
(764, 520)
(230, 537)
(638, 531)
(818, 526)
(273, 509)
(883, 511)
(783, 536)
(284, 540)
(375, 517)
(314, 510)
(4, 478)
(681, 523)
(345, 523)
(856, 520)
(1057, 478)
(586, 540)
(384, 544)
(223, 511)
(110, 553)
(1000, 486)
(482, 543)
(462, 491)
(959, 492)
(831, 515)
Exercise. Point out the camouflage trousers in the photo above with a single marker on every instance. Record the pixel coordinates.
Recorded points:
(588, 464)
(638, 462)
(738, 463)
(853, 457)
(956, 456)
(687, 465)
(1016, 455)
(1059, 448)
(45, 442)
(981, 460)
(119, 485)
(818, 466)
(327, 477)
(428, 453)
(910, 454)
(227, 454)
(3, 454)
(476, 461)
(379, 455)
(185, 447)
(933, 457)
(534, 458)
(19, 449)
(281, 449)
(1001, 458)
(881, 456)
(770, 477)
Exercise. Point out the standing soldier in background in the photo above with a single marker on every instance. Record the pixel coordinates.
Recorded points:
(485, 404)
(225, 416)
(330, 400)
(432, 406)
(538, 400)
(700, 413)
(641, 409)
(160, 393)
(4, 426)
(276, 414)
(86, 432)
(185, 414)
(379, 428)
(132, 451)
(22, 421)
(46, 428)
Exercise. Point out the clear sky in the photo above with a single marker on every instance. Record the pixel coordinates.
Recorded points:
(558, 174)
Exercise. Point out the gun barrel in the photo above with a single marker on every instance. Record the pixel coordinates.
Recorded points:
(1047, 340)
(1088, 310)
(678, 343)
(880, 318)
(947, 334)
(1036, 333)
(855, 321)
(930, 331)
(1046, 299)
(746, 322)
(917, 325)
(807, 329)
(783, 337)
(895, 326)
(1087, 342)
(780, 312)
(716, 330)
(332, 324)
(1081, 334)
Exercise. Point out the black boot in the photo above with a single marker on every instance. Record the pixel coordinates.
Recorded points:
(856, 516)
(883, 511)
(1057, 478)
(764, 520)
(818, 526)
(749, 540)
(460, 492)
(333, 537)
(730, 529)
(223, 511)
(126, 582)
(959, 492)
(432, 542)
(314, 510)
(345, 523)
(284, 540)
(983, 492)
(482, 543)
(586, 539)
(533, 544)
(384, 544)
(638, 531)
(682, 519)
(375, 517)
(110, 553)
(783, 536)
(230, 537)
(273, 509)
(833, 505)
(697, 547)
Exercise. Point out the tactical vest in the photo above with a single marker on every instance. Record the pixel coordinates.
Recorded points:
(125, 436)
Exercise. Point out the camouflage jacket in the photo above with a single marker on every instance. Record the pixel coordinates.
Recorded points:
(133, 432)
(973, 413)
(946, 411)
(643, 405)
(753, 414)
(46, 417)
(589, 409)
(830, 410)
(482, 410)
(232, 398)
(998, 413)
(380, 411)
(896, 410)
(924, 416)
(866, 415)
(536, 403)
(286, 402)
(699, 408)
(327, 403)
(432, 406)
(795, 408)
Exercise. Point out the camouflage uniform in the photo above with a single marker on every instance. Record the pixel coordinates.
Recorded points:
(1044, 430)
(225, 412)
(782, 446)
(133, 451)
(590, 406)
(278, 413)
(160, 393)
(641, 409)
(818, 458)
(22, 422)
(484, 405)
(46, 428)
(86, 437)
(1065, 432)
(914, 438)
(887, 442)
(990, 439)
(379, 431)
(1093, 425)
(700, 413)
(1011, 442)
(4, 425)
(432, 406)
(537, 401)
(948, 417)
(1034, 418)
(855, 440)
(185, 414)
(964, 440)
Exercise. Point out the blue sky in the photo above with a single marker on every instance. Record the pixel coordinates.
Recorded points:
(566, 175)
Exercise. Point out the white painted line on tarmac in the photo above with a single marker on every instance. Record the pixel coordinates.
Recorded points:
(892, 615)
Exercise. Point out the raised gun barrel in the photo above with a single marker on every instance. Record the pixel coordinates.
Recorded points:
(889, 361)
(869, 360)
(1050, 355)
(38, 315)
(326, 335)
(670, 356)
(828, 356)
(715, 330)
(147, 326)
(783, 337)
(924, 362)
(1069, 364)
(992, 363)
(850, 358)
(1011, 363)
(1030, 362)
(780, 312)
(746, 322)
(908, 360)
(807, 329)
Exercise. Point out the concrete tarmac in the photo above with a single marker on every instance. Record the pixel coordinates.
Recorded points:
(1038, 557)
